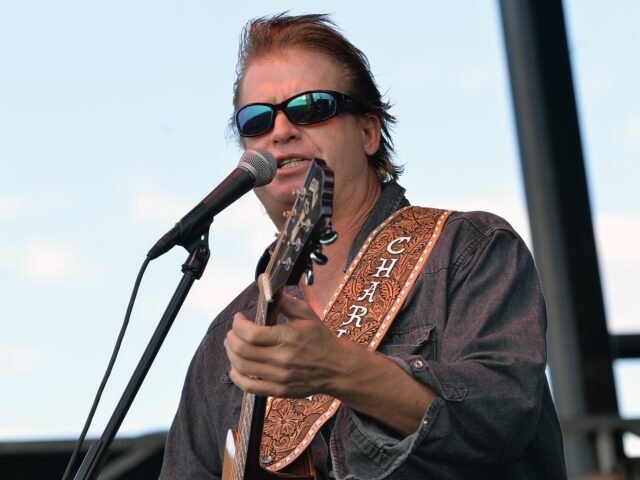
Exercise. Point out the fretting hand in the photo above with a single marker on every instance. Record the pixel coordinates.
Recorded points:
(294, 359)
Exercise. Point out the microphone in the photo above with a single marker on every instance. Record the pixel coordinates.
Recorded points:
(255, 169)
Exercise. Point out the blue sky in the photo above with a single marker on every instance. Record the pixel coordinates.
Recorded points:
(113, 123)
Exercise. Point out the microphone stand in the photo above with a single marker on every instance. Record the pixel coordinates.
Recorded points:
(192, 270)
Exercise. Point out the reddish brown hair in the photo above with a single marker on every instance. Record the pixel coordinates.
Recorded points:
(318, 33)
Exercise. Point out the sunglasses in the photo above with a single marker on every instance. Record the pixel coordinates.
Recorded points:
(305, 108)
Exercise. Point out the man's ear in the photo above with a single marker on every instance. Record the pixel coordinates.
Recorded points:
(371, 131)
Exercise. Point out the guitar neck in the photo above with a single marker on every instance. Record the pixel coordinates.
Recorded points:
(251, 422)
(299, 243)
(247, 463)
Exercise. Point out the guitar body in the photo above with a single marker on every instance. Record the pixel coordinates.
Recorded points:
(301, 469)
(299, 243)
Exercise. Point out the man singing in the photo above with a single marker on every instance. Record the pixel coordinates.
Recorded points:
(455, 387)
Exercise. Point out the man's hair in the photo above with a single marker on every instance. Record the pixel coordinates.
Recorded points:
(318, 33)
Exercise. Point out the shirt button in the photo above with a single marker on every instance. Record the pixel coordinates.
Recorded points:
(417, 364)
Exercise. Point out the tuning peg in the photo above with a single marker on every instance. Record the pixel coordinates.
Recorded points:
(319, 258)
(286, 263)
(306, 225)
(328, 237)
(308, 276)
(296, 244)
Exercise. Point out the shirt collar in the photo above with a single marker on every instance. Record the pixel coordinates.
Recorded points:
(391, 199)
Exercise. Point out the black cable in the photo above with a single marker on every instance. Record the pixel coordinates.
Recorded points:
(107, 373)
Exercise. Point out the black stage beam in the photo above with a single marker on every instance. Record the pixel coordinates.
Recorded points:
(625, 346)
(560, 217)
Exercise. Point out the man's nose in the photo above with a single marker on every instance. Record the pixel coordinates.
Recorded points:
(283, 129)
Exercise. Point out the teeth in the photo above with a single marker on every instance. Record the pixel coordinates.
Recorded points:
(290, 163)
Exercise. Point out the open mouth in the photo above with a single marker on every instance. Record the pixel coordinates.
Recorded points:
(290, 163)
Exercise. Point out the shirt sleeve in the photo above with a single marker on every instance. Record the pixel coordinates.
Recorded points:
(191, 448)
(489, 374)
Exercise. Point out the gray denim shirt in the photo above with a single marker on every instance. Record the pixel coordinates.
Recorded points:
(472, 329)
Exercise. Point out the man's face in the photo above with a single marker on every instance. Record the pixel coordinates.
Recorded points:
(342, 141)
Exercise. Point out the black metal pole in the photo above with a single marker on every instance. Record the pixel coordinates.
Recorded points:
(192, 270)
(560, 216)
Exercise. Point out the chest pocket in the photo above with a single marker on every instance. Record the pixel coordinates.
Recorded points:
(417, 340)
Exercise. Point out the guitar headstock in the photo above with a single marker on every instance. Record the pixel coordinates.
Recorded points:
(307, 229)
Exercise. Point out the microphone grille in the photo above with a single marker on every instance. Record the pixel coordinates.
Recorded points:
(260, 163)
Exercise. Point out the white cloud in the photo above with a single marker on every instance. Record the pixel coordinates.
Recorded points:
(631, 445)
(619, 259)
(49, 262)
(617, 235)
(18, 360)
(21, 433)
(10, 206)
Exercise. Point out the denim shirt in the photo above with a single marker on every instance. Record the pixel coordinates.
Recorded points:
(472, 329)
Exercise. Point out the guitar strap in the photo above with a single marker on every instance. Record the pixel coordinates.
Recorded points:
(362, 309)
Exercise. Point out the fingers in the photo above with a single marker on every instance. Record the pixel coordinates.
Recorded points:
(257, 335)
(257, 343)
(238, 347)
(261, 387)
(256, 368)
(296, 309)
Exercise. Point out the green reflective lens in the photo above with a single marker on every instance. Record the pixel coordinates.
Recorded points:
(311, 107)
(254, 119)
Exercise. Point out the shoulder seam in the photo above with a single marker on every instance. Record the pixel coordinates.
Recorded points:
(482, 237)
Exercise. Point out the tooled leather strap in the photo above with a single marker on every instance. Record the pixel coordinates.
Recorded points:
(362, 309)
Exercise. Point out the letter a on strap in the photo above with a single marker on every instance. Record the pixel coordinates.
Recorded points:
(362, 309)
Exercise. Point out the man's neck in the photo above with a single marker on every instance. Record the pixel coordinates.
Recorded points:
(328, 277)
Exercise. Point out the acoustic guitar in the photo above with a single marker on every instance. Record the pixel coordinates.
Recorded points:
(299, 245)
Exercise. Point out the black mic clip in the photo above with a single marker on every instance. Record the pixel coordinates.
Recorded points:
(200, 254)
(186, 233)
